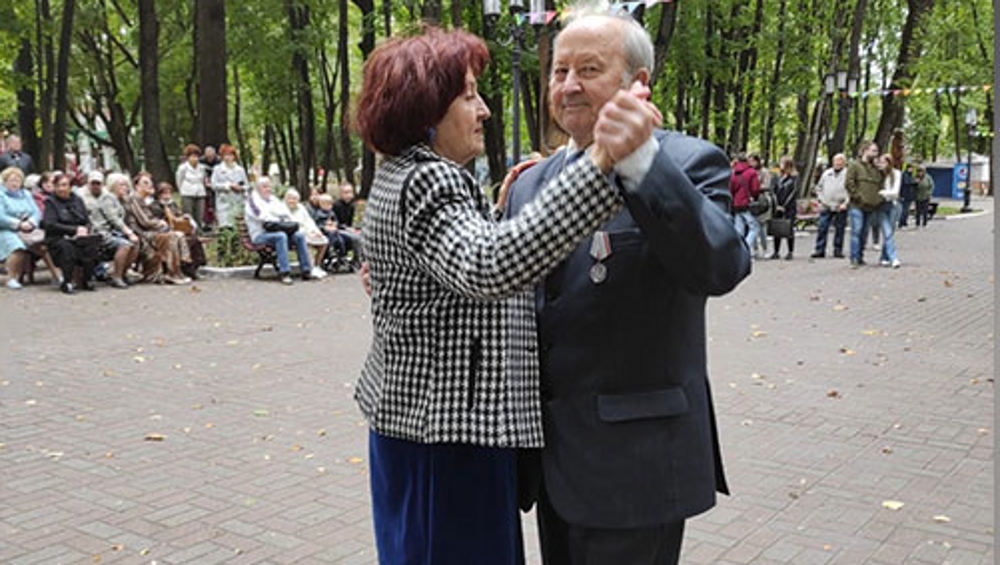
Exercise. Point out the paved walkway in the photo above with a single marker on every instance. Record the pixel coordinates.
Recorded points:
(214, 423)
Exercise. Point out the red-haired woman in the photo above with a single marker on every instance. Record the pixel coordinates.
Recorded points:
(450, 385)
(191, 183)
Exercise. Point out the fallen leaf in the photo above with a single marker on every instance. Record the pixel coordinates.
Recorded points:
(869, 332)
(320, 469)
(117, 547)
(98, 558)
(746, 423)
(232, 342)
(144, 551)
(840, 308)
(177, 366)
(109, 455)
(827, 547)
(948, 284)
(209, 425)
(847, 351)
(80, 418)
(974, 381)
(155, 437)
(983, 431)
(261, 413)
(255, 366)
(354, 460)
(109, 373)
(942, 519)
(832, 393)
(892, 504)
(30, 402)
(139, 359)
(195, 289)
(296, 447)
(759, 333)
(887, 450)
(321, 432)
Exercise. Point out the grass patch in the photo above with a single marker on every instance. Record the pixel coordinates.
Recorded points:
(952, 211)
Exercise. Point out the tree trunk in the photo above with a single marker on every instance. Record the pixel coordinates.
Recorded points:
(706, 93)
(367, 45)
(246, 153)
(661, 44)
(853, 70)
(493, 134)
(387, 17)
(62, 87)
(550, 136)
(456, 14)
(46, 78)
(298, 22)
(213, 107)
(27, 112)
(910, 46)
(149, 60)
(346, 150)
(772, 88)
(431, 12)
(331, 161)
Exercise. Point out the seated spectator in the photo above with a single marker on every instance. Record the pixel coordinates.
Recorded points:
(267, 218)
(19, 222)
(107, 219)
(162, 248)
(345, 208)
(314, 237)
(326, 219)
(40, 191)
(165, 208)
(68, 237)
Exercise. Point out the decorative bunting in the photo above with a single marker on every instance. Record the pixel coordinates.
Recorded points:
(916, 91)
(536, 18)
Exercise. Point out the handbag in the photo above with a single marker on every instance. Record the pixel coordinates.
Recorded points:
(288, 227)
(33, 237)
(779, 227)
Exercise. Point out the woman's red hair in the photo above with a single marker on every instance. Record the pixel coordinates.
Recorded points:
(409, 83)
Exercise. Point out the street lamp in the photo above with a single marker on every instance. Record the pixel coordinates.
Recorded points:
(971, 120)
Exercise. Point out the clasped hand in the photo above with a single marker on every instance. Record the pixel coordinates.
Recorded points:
(624, 123)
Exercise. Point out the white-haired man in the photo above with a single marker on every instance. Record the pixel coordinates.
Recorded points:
(631, 449)
(834, 201)
(15, 157)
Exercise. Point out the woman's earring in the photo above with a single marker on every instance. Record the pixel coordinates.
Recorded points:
(431, 134)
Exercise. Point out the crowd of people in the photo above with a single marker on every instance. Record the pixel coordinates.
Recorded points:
(88, 227)
(872, 193)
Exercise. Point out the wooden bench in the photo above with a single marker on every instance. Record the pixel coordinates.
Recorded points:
(266, 255)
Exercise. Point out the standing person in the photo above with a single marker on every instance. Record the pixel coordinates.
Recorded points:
(450, 385)
(631, 448)
(923, 191)
(744, 186)
(863, 184)
(889, 211)
(107, 218)
(834, 201)
(264, 214)
(764, 207)
(190, 179)
(68, 237)
(229, 184)
(209, 160)
(785, 194)
(907, 194)
(18, 215)
(15, 157)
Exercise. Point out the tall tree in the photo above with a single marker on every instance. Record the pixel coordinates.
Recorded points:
(298, 20)
(367, 45)
(853, 71)
(149, 69)
(910, 46)
(46, 79)
(62, 86)
(346, 149)
(27, 112)
(213, 107)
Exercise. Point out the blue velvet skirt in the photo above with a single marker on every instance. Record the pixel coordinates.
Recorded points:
(444, 504)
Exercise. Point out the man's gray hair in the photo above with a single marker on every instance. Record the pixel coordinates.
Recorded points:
(637, 47)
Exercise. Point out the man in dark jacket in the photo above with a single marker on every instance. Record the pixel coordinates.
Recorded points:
(744, 186)
(15, 157)
(631, 448)
(863, 183)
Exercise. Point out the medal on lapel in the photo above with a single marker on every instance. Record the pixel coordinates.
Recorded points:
(600, 249)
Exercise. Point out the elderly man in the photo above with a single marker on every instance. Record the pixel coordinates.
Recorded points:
(834, 201)
(631, 448)
(15, 157)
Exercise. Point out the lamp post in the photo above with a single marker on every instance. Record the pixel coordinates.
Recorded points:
(971, 120)
(829, 87)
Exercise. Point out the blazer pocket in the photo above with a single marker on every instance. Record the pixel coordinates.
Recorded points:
(626, 239)
(661, 403)
(475, 360)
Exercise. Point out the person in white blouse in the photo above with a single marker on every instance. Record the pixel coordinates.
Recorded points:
(229, 181)
(190, 179)
(314, 237)
(888, 213)
(267, 217)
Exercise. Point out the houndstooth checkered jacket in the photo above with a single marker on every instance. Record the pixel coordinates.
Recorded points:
(454, 356)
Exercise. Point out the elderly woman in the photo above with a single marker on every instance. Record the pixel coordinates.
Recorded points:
(229, 181)
(67, 235)
(162, 248)
(450, 385)
(163, 207)
(191, 183)
(19, 221)
(270, 223)
(107, 218)
(314, 237)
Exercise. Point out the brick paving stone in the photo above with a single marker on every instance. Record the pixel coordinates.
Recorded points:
(251, 384)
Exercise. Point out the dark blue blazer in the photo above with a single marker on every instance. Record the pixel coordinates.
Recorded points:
(630, 433)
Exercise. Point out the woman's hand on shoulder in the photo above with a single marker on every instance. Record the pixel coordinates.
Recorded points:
(508, 180)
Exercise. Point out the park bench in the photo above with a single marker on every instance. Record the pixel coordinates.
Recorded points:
(266, 255)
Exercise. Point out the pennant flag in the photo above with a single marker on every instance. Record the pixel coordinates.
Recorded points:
(549, 16)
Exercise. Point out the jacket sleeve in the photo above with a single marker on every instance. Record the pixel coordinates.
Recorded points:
(684, 211)
(52, 225)
(459, 244)
(851, 183)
